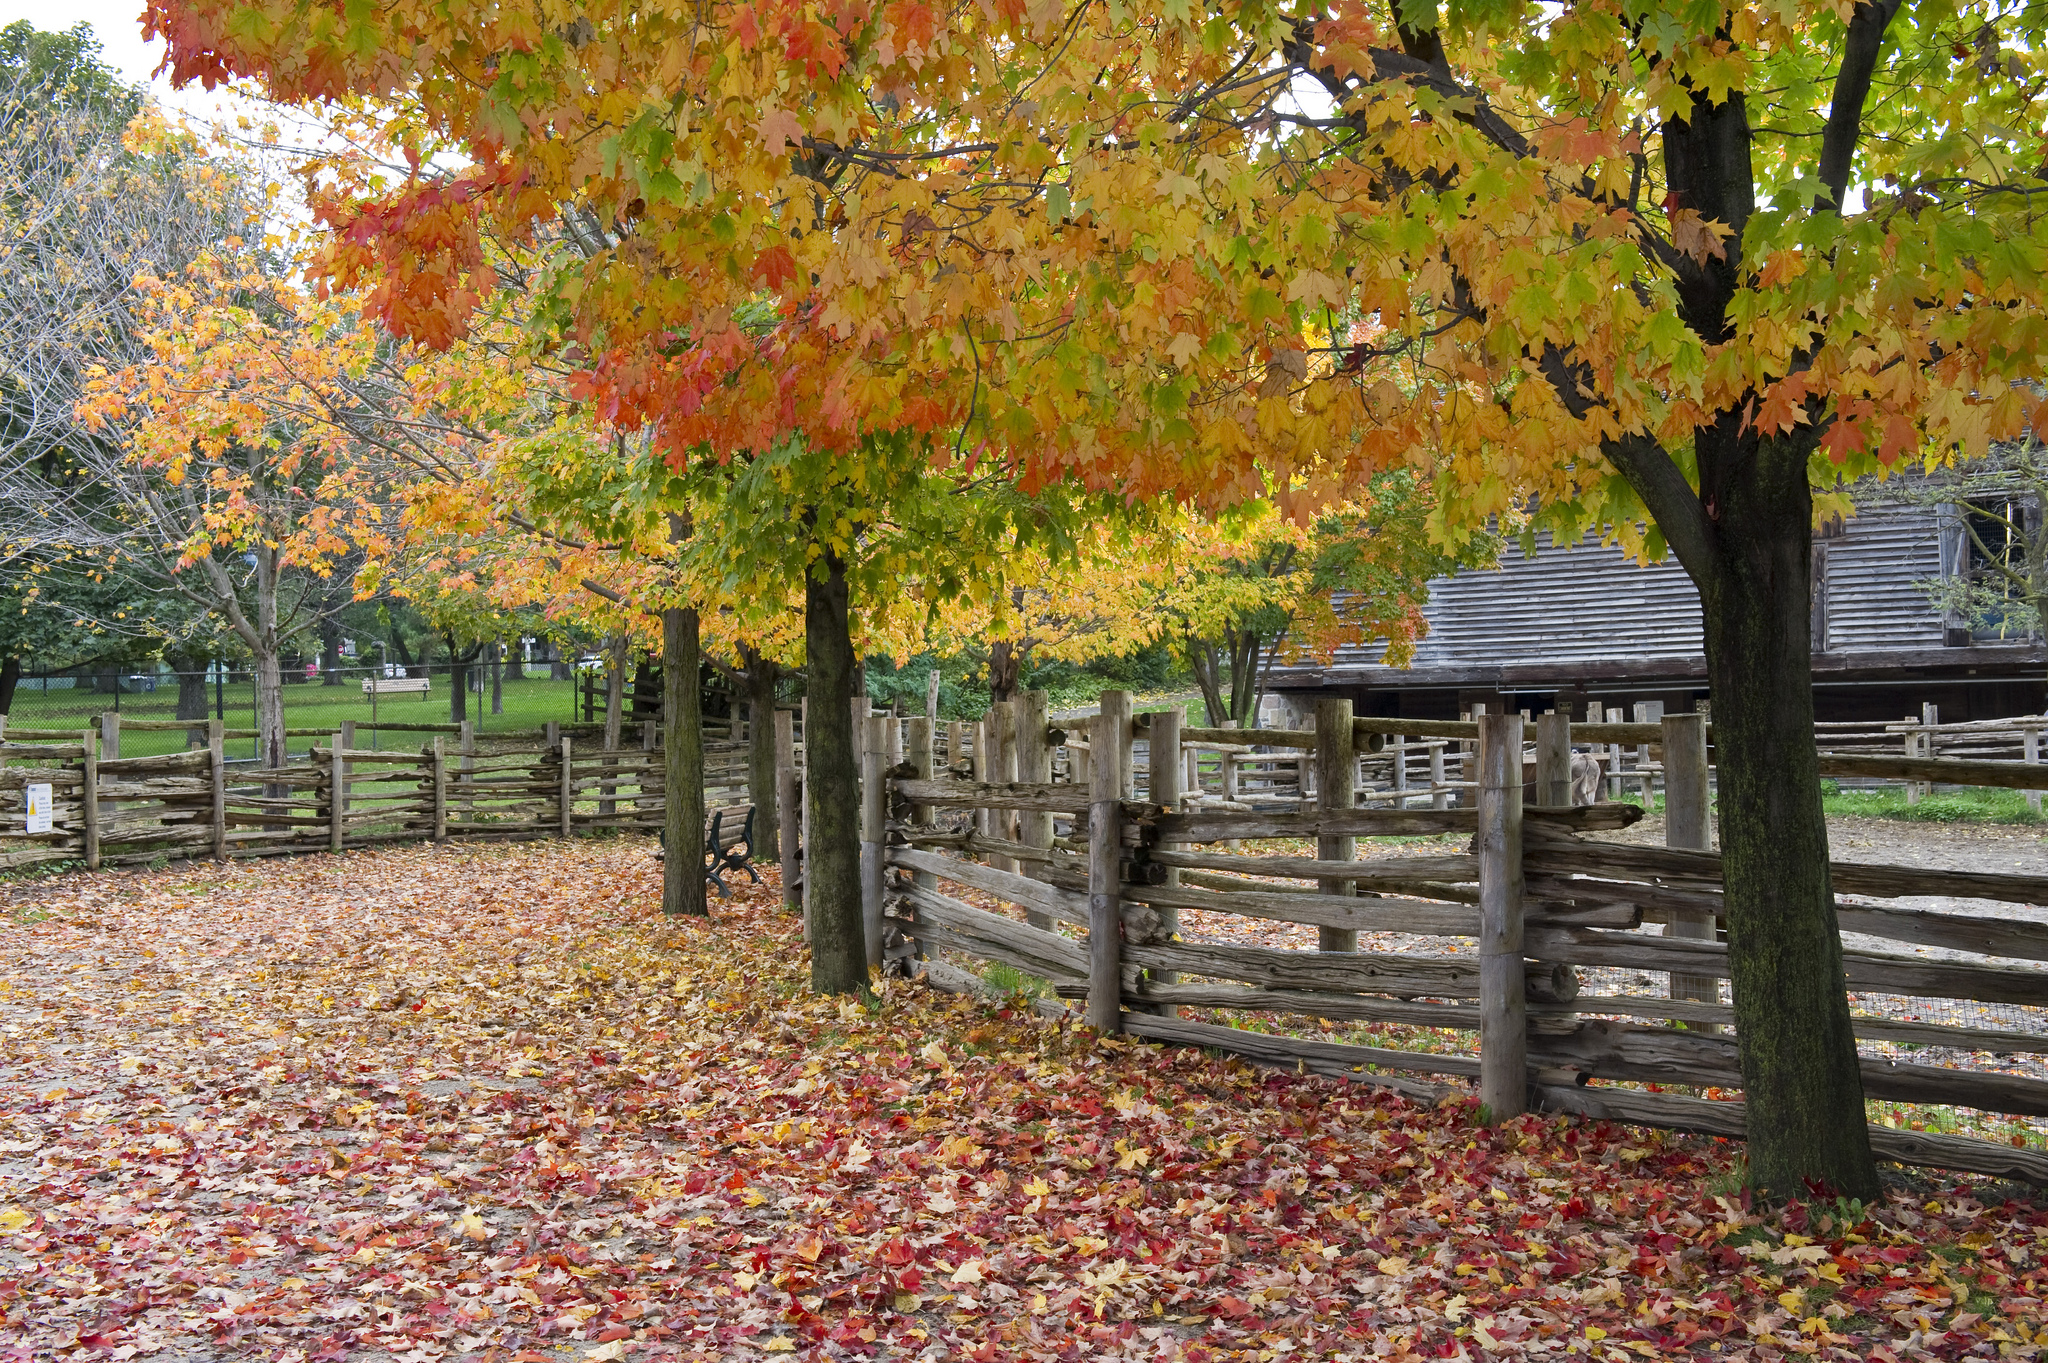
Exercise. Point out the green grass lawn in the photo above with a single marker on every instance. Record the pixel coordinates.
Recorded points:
(528, 705)
(1972, 805)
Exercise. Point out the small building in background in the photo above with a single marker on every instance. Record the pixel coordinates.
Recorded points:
(1581, 623)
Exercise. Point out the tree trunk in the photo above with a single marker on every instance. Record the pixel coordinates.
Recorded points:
(1005, 663)
(647, 687)
(330, 655)
(458, 685)
(1244, 676)
(761, 674)
(270, 714)
(497, 676)
(839, 961)
(1201, 660)
(1800, 1078)
(619, 652)
(682, 872)
(10, 677)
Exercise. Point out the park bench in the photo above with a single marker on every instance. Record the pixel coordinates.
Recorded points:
(390, 686)
(726, 848)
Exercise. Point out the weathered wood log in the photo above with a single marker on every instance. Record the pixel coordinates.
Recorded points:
(1206, 825)
(1061, 798)
(1871, 971)
(1316, 910)
(1938, 770)
(162, 762)
(1304, 739)
(1454, 868)
(1321, 1057)
(1310, 1003)
(1035, 895)
(1057, 954)
(1401, 976)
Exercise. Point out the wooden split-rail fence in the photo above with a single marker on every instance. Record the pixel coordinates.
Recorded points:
(109, 810)
(1101, 882)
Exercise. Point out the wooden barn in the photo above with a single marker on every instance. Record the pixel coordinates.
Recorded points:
(1581, 622)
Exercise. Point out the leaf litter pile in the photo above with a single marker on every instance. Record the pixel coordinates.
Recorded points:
(487, 1103)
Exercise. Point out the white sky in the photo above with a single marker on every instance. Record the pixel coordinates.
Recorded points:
(118, 26)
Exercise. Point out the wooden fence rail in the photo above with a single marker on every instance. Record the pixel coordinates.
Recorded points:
(1107, 890)
(108, 810)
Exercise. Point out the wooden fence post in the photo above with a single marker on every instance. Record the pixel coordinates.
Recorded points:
(467, 741)
(1647, 712)
(1439, 798)
(1034, 766)
(1615, 715)
(1105, 848)
(568, 789)
(440, 760)
(2030, 748)
(804, 711)
(1686, 824)
(1117, 705)
(89, 798)
(1554, 760)
(1336, 790)
(874, 808)
(786, 805)
(337, 792)
(920, 759)
(1503, 1006)
(110, 733)
(217, 753)
(1167, 770)
(1003, 771)
(347, 741)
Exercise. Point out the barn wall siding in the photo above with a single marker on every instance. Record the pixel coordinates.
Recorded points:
(1592, 608)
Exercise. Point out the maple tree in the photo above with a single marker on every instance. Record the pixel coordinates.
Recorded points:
(1241, 592)
(213, 483)
(1654, 270)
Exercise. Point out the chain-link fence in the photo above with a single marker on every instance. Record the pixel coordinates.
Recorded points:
(495, 698)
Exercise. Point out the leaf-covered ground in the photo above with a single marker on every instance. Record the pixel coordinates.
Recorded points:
(486, 1103)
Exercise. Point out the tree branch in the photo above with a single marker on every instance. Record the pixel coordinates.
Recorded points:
(1852, 87)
